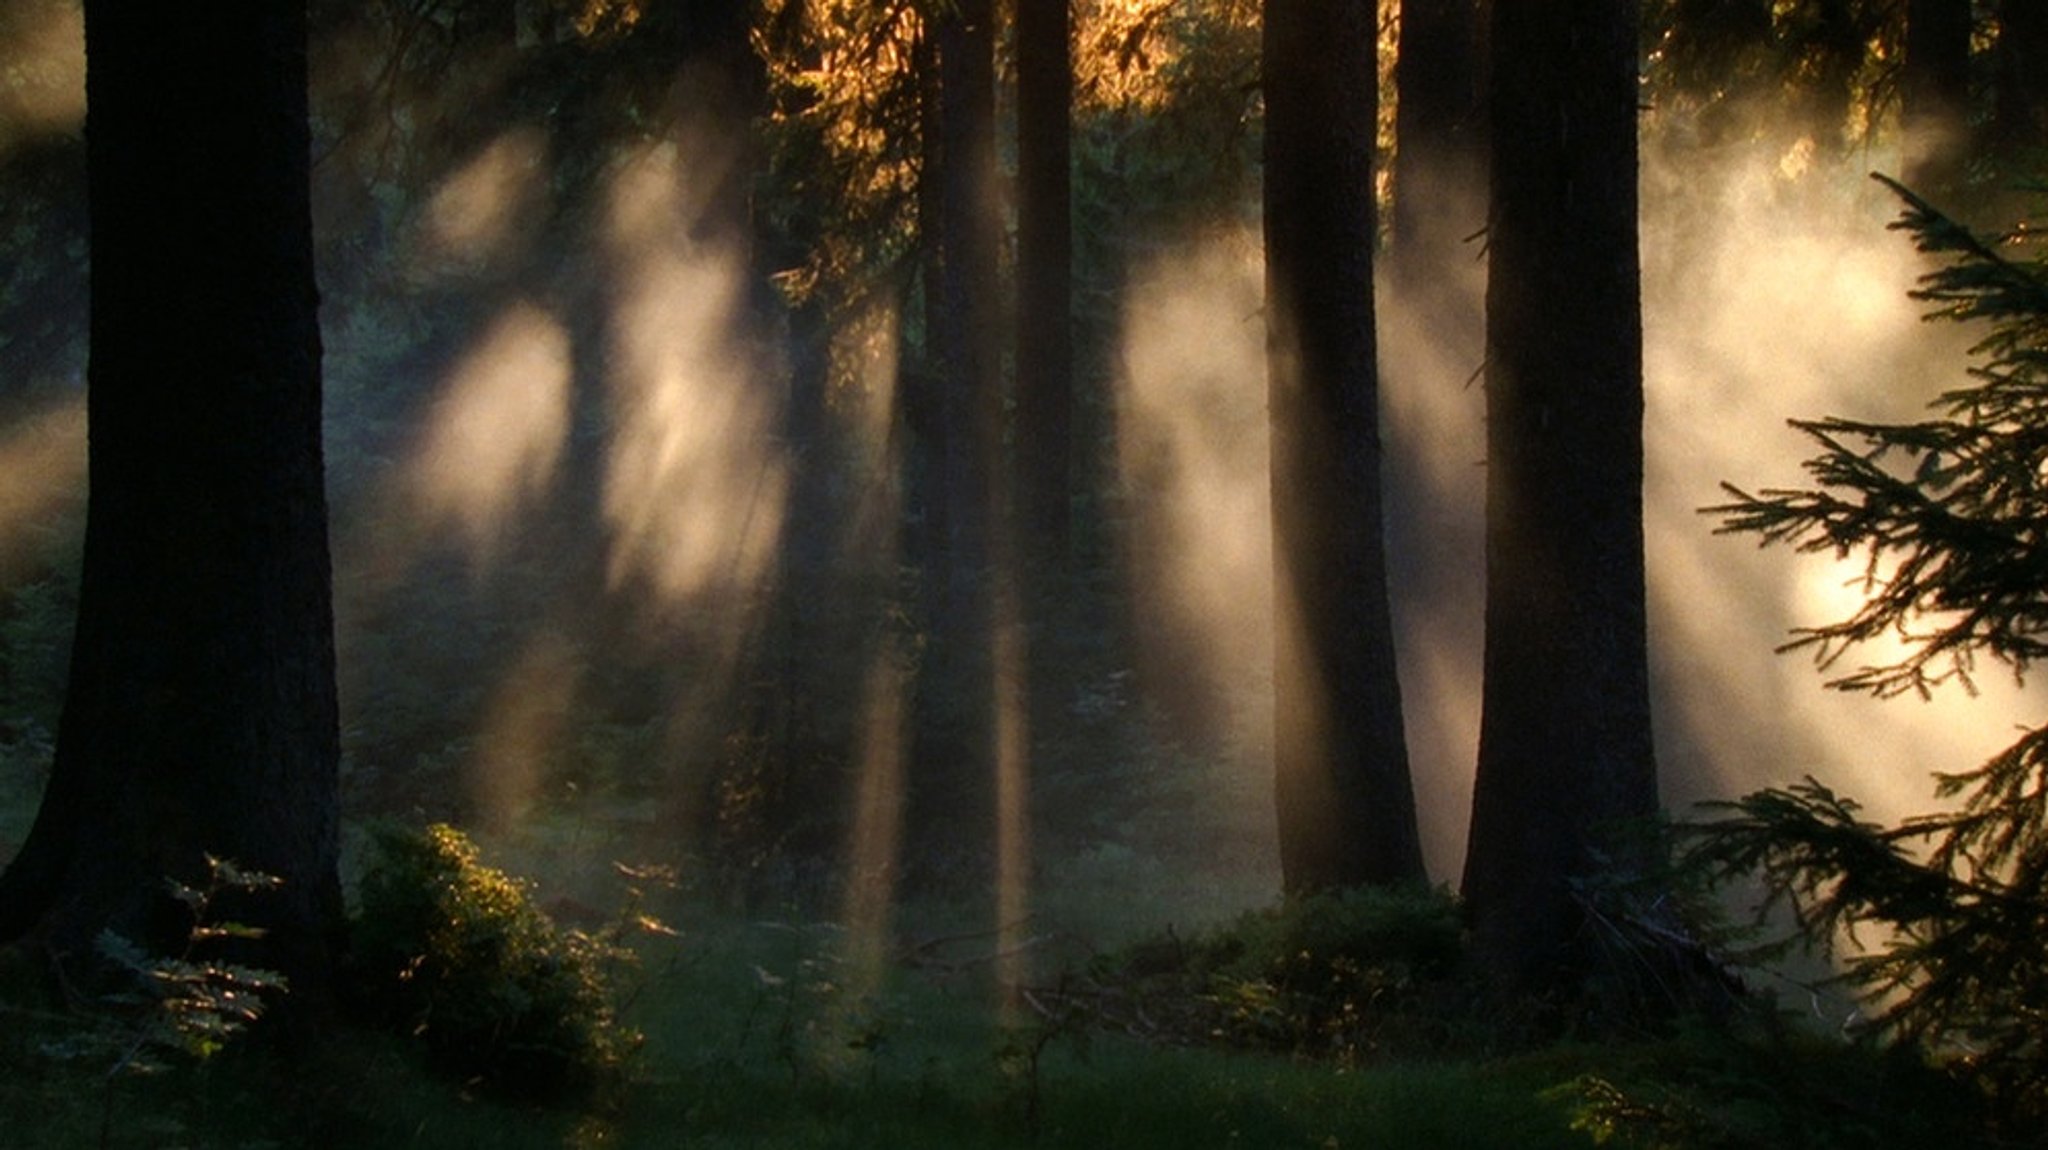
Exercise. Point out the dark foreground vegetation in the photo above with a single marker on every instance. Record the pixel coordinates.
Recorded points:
(1343, 1020)
(625, 598)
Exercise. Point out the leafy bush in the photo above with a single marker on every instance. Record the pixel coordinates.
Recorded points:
(458, 954)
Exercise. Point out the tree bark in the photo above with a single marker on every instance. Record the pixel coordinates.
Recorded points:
(1439, 133)
(200, 716)
(2020, 112)
(1345, 801)
(1045, 274)
(1565, 749)
(953, 762)
(1934, 95)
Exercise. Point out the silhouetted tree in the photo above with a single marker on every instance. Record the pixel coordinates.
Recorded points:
(1045, 276)
(1934, 92)
(1439, 132)
(2020, 113)
(200, 716)
(1564, 743)
(1346, 804)
(954, 756)
(1953, 504)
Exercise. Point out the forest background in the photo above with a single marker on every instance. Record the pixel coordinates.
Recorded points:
(625, 375)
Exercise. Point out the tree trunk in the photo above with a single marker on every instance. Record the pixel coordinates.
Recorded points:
(200, 717)
(2020, 114)
(1345, 802)
(954, 759)
(1439, 133)
(1564, 744)
(1934, 95)
(1045, 273)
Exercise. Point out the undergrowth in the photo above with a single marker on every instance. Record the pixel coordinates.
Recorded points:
(458, 954)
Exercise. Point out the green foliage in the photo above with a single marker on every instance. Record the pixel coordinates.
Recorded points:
(198, 1003)
(157, 1016)
(1948, 514)
(1820, 70)
(457, 953)
(1354, 975)
(1709, 1091)
(190, 1004)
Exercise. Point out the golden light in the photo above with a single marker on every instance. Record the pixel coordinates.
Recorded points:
(494, 438)
(1770, 298)
(695, 478)
(42, 468)
(42, 70)
(485, 207)
(1191, 430)
(522, 729)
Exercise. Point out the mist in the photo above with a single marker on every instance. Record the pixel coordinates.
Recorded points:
(1772, 291)
(569, 493)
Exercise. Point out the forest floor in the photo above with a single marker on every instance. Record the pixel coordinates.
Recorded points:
(766, 1031)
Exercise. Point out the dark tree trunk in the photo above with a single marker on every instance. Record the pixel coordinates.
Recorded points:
(1045, 272)
(966, 338)
(1346, 805)
(954, 758)
(1564, 743)
(2020, 114)
(1934, 95)
(200, 717)
(1439, 133)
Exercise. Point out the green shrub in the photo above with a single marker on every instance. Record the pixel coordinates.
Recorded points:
(1356, 975)
(457, 954)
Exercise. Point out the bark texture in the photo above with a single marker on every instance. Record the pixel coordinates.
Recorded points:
(1045, 276)
(1565, 751)
(200, 716)
(1346, 804)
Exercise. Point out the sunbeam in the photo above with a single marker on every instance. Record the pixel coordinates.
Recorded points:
(695, 481)
(489, 204)
(42, 468)
(872, 863)
(42, 71)
(1013, 789)
(493, 439)
(1192, 422)
(523, 727)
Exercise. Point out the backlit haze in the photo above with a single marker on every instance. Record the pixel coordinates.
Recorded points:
(566, 431)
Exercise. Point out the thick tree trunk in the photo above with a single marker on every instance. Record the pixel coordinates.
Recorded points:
(200, 717)
(1565, 749)
(1346, 804)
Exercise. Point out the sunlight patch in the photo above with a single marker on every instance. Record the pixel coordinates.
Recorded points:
(42, 70)
(1192, 416)
(482, 209)
(495, 437)
(695, 480)
(523, 729)
(42, 466)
